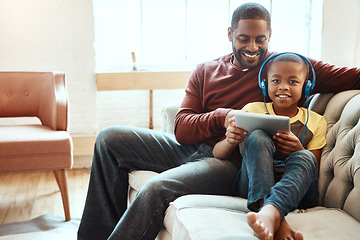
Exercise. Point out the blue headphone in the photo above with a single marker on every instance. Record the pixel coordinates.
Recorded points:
(308, 85)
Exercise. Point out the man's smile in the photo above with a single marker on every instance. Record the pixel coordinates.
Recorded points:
(251, 55)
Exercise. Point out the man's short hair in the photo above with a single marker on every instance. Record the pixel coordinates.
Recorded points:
(250, 11)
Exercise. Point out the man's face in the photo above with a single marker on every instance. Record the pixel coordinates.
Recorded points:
(249, 42)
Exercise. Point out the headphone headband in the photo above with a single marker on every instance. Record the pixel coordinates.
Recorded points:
(308, 88)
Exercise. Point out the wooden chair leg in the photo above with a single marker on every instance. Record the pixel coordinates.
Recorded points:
(61, 179)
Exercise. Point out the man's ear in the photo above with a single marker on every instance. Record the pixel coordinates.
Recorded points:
(230, 34)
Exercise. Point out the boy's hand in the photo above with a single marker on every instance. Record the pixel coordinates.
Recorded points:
(287, 143)
(227, 118)
(234, 135)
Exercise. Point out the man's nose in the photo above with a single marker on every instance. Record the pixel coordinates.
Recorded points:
(252, 46)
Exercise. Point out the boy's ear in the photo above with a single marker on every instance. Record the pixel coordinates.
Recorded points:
(230, 34)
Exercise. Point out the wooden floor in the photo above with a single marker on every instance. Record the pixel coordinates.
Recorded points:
(28, 195)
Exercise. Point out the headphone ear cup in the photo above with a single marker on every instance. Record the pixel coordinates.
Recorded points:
(263, 86)
(307, 89)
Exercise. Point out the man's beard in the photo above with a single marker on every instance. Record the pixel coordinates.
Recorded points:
(239, 57)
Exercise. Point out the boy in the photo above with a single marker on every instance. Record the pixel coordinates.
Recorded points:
(279, 174)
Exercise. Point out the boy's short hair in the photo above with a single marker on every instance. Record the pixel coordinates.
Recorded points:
(289, 57)
(250, 11)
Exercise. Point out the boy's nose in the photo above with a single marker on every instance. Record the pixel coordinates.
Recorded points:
(283, 87)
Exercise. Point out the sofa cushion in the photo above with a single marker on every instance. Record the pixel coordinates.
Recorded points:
(207, 217)
(137, 179)
(221, 217)
(324, 223)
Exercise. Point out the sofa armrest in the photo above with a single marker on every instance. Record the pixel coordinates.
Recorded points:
(318, 102)
(168, 114)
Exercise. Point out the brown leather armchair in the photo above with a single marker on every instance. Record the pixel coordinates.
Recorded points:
(45, 146)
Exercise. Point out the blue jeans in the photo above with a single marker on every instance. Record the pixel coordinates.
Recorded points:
(298, 184)
(184, 169)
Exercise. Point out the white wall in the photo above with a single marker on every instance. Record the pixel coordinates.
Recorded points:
(54, 35)
(341, 32)
(59, 35)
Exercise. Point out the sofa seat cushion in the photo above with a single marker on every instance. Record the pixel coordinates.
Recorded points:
(28, 147)
(137, 179)
(324, 223)
(222, 217)
(208, 217)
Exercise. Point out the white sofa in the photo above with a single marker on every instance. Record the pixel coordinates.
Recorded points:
(205, 217)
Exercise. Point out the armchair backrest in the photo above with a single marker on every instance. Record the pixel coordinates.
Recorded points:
(35, 94)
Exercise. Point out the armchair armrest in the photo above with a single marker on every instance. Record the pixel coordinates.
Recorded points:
(61, 102)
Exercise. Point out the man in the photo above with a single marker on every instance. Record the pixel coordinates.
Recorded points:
(186, 163)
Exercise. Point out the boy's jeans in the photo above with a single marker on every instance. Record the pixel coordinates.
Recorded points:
(298, 186)
(185, 169)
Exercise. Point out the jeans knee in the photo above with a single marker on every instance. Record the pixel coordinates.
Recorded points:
(108, 134)
(308, 160)
(157, 188)
(114, 142)
(116, 137)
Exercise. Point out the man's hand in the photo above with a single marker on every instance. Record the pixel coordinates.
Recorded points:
(287, 143)
(234, 135)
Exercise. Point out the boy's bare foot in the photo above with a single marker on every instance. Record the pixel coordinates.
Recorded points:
(264, 223)
(285, 232)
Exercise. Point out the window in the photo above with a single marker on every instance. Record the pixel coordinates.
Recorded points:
(176, 35)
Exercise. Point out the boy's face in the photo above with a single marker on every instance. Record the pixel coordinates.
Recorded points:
(285, 85)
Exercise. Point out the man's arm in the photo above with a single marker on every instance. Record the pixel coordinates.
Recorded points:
(334, 79)
(193, 127)
(193, 124)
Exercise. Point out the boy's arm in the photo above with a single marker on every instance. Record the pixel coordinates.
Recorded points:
(287, 143)
(225, 147)
(317, 154)
(318, 141)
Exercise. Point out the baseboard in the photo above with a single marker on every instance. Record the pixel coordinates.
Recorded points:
(82, 162)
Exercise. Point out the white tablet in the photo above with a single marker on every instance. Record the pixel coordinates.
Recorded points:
(271, 124)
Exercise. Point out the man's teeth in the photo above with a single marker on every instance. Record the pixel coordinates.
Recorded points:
(283, 96)
(250, 55)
